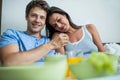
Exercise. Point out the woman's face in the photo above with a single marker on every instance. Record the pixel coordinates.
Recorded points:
(59, 22)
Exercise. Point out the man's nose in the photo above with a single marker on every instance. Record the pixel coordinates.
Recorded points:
(37, 19)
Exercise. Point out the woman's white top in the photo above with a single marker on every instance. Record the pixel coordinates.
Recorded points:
(84, 45)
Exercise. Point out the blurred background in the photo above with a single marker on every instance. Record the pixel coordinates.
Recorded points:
(105, 14)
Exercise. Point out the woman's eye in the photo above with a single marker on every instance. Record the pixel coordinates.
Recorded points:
(58, 20)
(55, 25)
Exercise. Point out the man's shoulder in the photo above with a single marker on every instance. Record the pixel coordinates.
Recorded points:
(10, 36)
(11, 32)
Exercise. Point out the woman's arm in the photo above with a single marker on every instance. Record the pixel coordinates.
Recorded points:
(96, 37)
(61, 50)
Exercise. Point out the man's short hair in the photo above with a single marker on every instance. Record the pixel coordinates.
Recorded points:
(36, 3)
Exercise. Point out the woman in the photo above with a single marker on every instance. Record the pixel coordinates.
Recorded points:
(84, 38)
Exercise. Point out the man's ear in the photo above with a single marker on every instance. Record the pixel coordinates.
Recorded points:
(26, 17)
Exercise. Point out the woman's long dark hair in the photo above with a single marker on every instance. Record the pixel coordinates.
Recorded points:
(49, 29)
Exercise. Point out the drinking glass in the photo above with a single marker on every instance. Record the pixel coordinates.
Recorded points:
(73, 57)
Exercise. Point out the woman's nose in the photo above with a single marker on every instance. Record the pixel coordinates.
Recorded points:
(59, 24)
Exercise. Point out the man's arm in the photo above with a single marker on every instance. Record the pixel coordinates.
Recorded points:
(10, 54)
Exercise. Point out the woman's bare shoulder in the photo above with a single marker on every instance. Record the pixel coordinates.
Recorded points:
(91, 27)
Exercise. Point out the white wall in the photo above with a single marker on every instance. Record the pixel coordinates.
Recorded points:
(105, 14)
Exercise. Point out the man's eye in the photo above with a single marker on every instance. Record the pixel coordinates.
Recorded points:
(42, 17)
(33, 15)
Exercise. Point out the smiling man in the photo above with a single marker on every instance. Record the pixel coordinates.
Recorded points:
(25, 47)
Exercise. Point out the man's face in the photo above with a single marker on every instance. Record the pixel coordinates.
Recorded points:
(35, 20)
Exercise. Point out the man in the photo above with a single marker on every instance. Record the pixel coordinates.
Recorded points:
(25, 47)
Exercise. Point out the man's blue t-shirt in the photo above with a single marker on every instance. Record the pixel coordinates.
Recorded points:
(25, 41)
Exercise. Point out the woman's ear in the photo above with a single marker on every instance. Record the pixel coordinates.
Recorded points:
(64, 15)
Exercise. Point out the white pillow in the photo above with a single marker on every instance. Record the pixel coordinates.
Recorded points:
(112, 48)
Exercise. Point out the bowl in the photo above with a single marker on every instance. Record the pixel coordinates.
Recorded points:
(49, 70)
(97, 65)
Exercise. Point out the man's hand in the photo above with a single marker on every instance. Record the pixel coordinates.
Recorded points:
(59, 40)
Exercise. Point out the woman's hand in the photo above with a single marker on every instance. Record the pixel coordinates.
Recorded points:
(59, 40)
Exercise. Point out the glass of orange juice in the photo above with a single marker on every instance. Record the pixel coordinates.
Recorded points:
(73, 57)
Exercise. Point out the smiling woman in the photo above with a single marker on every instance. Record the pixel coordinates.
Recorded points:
(104, 14)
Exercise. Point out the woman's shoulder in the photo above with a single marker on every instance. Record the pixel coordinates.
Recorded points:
(91, 27)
